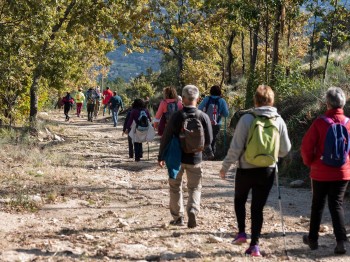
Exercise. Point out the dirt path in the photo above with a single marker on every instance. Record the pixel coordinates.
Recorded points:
(95, 204)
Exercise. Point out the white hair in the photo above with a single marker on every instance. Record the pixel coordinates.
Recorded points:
(335, 97)
(191, 92)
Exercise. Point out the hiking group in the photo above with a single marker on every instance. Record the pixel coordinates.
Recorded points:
(189, 135)
(93, 99)
(260, 139)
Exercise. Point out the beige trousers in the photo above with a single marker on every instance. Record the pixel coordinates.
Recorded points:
(194, 186)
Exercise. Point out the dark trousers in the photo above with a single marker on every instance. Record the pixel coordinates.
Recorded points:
(216, 131)
(260, 181)
(90, 109)
(66, 110)
(138, 151)
(334, 191)
(131, 147)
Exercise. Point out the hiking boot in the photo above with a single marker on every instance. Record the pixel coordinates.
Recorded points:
(340, 249)
(178, 222)
(240, 239)
(253, 251)
(192, 219)
(313, 244)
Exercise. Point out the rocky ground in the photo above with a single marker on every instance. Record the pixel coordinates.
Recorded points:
(77, 196)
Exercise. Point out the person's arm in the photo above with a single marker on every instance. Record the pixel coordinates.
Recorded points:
(121, 103)
(170, 130)
(131, 119)
(308, 145)
(160, 111)
(285, 145)
(203, 103)
(238, 142)
(224, 108)
(126, 121)
(208, 130)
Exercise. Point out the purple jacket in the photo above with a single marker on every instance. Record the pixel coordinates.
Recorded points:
(134, 115)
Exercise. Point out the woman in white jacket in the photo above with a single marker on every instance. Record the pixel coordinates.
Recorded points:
(250, 177)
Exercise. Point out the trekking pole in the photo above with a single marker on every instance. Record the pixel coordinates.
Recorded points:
(148, 150)
(225, 136)
(281, 212)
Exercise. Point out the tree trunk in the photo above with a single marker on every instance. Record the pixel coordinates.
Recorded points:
(277, 31)
(251, 84)
(223, 70)
(243, 53)
(180, 64)
(230, 56)
(34, 88)
(312, 47)
(288, 46)
(267, 22)
(330, 42)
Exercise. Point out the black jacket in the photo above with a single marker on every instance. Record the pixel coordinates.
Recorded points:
(173, 128)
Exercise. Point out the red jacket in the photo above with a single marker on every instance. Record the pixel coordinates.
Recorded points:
(312, 148)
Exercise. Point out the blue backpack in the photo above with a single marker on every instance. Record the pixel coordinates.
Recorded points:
(171, 109)
(212, 109)
(336, 144)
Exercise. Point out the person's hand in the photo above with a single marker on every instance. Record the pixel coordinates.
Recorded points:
(123, 133)
(222, 174)
(161, 163)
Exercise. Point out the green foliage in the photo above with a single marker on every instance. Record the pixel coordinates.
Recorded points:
(140, 88)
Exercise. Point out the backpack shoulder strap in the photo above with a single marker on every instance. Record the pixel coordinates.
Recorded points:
(346, 121)
(327, 119)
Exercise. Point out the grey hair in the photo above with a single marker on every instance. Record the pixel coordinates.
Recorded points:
(191, 92)
(335, 97)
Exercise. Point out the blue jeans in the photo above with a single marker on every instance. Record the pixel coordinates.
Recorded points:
(115, 116)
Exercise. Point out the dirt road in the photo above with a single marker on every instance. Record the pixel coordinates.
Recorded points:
(83, 199)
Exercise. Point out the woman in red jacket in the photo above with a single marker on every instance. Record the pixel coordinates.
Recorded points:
(327, 181)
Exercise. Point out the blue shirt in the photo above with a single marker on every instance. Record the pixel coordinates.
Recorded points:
(223, 108)
(116, 102)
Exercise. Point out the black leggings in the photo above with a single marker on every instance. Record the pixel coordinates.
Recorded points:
(334, 191)
(260, 180)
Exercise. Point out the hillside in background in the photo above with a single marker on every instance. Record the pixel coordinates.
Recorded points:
(131, 65)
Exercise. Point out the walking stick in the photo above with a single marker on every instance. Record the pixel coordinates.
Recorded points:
(280, 206)
(225, 137)
(148, 150)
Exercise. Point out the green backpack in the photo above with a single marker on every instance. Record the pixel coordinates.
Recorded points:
(263, 142)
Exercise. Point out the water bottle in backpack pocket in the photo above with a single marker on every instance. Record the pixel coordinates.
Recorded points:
(212, 110)
(263, 142)
(336, 144)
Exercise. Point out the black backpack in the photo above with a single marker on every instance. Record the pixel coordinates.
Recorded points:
(142, 123)
(192, 138)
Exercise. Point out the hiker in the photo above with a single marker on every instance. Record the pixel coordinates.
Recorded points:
(216, 108)
(167, 107)
(114, 104)
(190, 162)
(139, 119)
(107, 94)
(79, 99)
(259, 176)
(90, 102)
(68, 102)
(98, 101)
(130, 143)
(329, 178)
